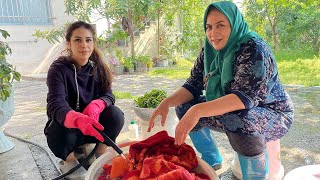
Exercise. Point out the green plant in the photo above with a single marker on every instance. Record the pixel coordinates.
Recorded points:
(144, 60)
(150, 99)
(123, 95)
(119, 56)
(8, 72)
(128, 62)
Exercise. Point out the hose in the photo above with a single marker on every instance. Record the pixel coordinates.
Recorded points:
(86, 159)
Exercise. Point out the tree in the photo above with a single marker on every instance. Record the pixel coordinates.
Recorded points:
(189, 17)
(269, 11)
(307, 23)
(115, 10)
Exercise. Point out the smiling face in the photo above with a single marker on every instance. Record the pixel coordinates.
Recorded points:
(218, 29)
(81, 45)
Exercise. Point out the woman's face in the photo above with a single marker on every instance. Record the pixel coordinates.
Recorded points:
(218, 29)
(81, 45)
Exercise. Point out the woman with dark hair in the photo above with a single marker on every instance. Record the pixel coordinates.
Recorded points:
(80, 99)
(243, 96)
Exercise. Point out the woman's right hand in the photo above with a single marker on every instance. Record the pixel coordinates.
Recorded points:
(162, 110)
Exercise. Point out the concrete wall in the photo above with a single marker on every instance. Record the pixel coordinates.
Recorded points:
(27, 52)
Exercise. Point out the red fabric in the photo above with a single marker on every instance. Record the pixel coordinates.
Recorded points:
(157, 158)
(84, 123)
(157, 168)
(162, 144)
(94, 108)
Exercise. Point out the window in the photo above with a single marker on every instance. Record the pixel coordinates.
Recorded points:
(25, 12)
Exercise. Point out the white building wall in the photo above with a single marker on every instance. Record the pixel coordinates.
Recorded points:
(28, 52)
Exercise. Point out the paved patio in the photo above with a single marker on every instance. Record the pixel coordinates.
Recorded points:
(300, 147)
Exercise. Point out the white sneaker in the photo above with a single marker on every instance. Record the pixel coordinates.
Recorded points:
(79, 174)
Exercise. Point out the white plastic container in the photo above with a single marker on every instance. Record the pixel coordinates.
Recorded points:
(133, 131)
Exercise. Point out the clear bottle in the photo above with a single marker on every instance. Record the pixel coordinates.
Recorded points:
(133, 131)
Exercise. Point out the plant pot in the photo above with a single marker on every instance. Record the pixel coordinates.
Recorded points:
(143, 113)
(131, 70)
(121, 43)
(140, 67)
(6, 112)
(146, 113)
(162, 63)
(118, 69)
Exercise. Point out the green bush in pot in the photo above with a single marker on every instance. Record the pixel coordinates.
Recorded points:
(128, 62)
(146, 104)
(7, 70)
(150, 99)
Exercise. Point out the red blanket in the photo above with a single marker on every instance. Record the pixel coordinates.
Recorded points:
(157, 168)
(157, 158)
(162, 144)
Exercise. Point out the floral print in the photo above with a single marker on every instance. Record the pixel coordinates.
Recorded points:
(269, 109)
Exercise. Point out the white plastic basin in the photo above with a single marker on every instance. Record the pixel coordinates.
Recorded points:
(96, 169)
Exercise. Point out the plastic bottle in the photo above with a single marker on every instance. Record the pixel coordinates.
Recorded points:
(133, 131)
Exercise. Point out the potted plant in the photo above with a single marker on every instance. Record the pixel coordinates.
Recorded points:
(128, 64)
(146, 104)
(143, 63)
(161, 61)
(150, 99)
(7, 75)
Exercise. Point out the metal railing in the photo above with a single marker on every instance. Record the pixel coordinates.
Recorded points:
(25, 12)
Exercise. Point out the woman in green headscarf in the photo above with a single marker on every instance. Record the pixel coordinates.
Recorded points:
(243, 95)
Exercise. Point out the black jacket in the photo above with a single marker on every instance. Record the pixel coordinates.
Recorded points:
(66, 87)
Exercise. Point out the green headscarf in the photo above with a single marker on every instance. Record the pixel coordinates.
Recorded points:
(220, 63)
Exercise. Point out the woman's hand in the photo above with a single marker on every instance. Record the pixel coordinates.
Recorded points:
(162, 110)
(84, 123)
(94, 108)
(186, 124)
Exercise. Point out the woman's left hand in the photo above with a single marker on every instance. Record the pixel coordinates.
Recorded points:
(185, 125)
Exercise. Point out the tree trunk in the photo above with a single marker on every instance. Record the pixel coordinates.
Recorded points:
(180, 21)
(131, 28)
(315, 45)
(274, 37)
(201, 43)
(158, 32)
(108, 23)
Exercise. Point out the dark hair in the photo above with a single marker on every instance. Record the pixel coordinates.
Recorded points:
(211, 8)
(100, 67)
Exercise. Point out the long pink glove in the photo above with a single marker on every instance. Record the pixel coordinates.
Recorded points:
(94, 108)
(84, 123)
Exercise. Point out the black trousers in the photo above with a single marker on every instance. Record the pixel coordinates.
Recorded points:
(62, 141)
(245, 144)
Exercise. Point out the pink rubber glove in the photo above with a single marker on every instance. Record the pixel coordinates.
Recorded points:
(94, 108)
(84, 123)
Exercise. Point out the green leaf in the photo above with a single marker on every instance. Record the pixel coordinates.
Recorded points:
(4, 33)
(150, 99)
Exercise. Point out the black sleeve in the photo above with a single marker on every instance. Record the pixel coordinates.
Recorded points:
(108, 97)
(57, 105)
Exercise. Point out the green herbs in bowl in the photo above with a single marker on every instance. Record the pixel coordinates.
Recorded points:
(150, 99)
